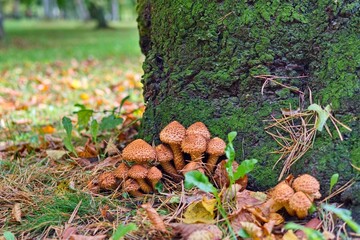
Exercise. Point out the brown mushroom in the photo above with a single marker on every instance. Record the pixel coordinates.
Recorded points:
(164, 156)
(195, 145)
(279, 198)
(139, 173)
(200, 129)
(139, 151)
(154, 175)
(308, 185)
(192, 166)
(173, 134)
(300, 203)
(121, 172)
(132, 187)
(215, 149)
(108, 181)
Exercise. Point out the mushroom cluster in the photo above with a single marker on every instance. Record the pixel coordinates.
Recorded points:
(295, 196)
(138, 173)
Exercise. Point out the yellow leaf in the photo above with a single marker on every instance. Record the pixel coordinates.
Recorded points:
(290, 235)
(48, 129)
(84, 96)
(200, 211)
(75, 84)
(16, 212)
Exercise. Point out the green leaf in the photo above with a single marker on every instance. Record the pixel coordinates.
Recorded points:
(245, 167)
(123, 101)
(110, 122)
(66, 122)
(84, 116)
(232, 136)
(122, 230)
(94, 129)
(201, 181)
(9, 235)
(345, 215)
(242, 233)
(310, 233)
(323, 115)
(333, 180)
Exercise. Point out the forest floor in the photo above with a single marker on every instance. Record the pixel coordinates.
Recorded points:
(70, 101)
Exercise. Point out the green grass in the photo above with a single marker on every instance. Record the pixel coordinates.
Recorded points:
(40, 41)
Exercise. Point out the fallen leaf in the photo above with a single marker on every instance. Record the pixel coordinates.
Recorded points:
(290, 235)
(186, 230)
(48, 129)
(68, 231)
(200, 211)
(252, 229)
(82, 237)
(16, 212)
(55, 154)
(155, 219)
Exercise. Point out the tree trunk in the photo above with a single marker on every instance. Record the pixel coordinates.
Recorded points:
(47, 9)
(98, 12)
(2, 32)
(202, 56)
(115, 10)
(81, 10)
(16, 9)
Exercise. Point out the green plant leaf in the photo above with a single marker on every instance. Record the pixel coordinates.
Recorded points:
(94, 130)
(201, 181)
(9, 235)
(66, 122)
(123, 101)
(242, 233)
(310, 233)
(333, 180)
(110, 122)
(232, 136)
(345, 215)
(84, 116)
(244, 168)
(230, 154)
(323, 115)
(122, 230)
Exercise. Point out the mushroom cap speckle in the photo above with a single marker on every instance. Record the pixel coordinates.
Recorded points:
(198, 128)
(163, 153)
(300, 202)
(154, 173)
(131, 185)
(121, 171)
(138, 151)
(216, 146)
(307, 184)
(108, 181)
(173, 133)
(138, 172)
(194, 144)
(282, 193)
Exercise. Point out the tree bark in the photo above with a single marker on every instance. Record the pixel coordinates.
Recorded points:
(202, 56)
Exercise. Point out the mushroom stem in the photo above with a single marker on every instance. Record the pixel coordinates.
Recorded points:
(211, 163)
(143, 185)
(136, 193)
(168, 168)
(178, 156)
(196, 157)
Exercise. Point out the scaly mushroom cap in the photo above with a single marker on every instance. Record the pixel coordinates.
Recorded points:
(154, 174)
(282, 193)
(163, 153)
(200, 129)
(131, 185)
(300, 203)
(216, 146)
(173, 133)
(107, 180)
(138, 151)
(121, 171)
(194, 144)
(138, 172)
(307, 184)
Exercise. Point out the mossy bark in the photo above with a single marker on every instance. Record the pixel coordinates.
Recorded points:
(202, 56)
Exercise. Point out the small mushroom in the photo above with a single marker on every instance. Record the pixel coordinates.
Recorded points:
(215, 149)
(200, 129)
(139, 173)
(139, 151)
(173, 134)
(121, 172)
(300, 203)
(279, 198)
(164, 156)
(108, 181)
(195, 145)
(154, 175)
(132, 187)
(192, 166)
(308, 185)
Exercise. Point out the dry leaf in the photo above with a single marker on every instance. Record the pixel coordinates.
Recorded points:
(277, 218)
(55, 154)
(252, 229)
(154, 217)
(248, 198)
(290, 235)
(186, 230)
(16, 212)
(48, 129)
(68, 231)
(200, 211)
(82, 237)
